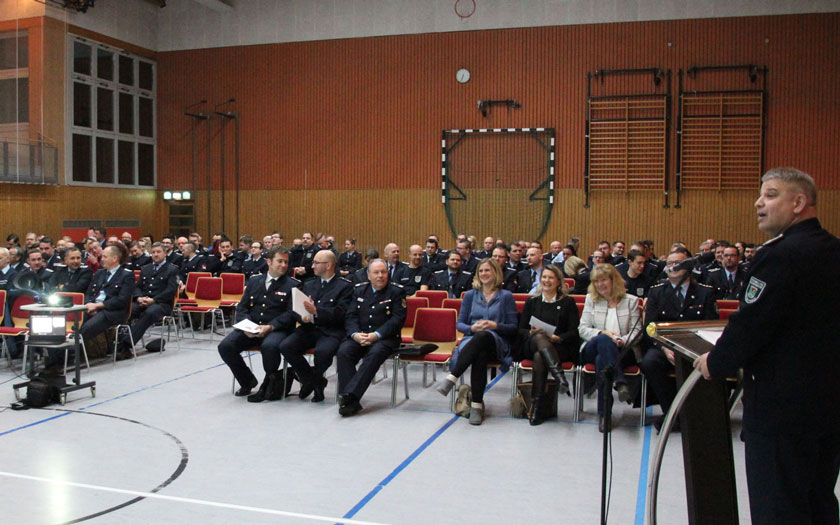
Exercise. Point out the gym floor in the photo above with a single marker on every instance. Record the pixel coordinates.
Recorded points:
(164, 441)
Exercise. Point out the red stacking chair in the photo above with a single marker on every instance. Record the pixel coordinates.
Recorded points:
(233, 286)
(453, 303)
(431, 325)
(570, 283)
(412, 304)
(208, 299)
(521, 296)
(20, 320)
(435, 297)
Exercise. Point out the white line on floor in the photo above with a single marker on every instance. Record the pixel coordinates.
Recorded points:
(153, 495)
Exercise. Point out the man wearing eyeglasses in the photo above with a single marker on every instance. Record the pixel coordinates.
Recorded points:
(728, 280)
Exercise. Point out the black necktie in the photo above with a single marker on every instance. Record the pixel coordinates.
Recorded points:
(533, 276)
(731, 280)
(680, 296)
(323, 284)
(269, 282)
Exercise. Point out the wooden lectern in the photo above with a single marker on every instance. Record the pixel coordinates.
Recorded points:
(703, 410)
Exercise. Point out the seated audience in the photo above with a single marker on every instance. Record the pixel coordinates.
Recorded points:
(373, 323)
(610, 320)
(529, 278)
(350, 260)
(72, 276)
(329, 298)
(255, 263)
(108, 296)
(361, 275)
(413, 276)
(489, 324)
(548, 351)
(452, 279)
(728, 280)
(637, 278)
(266, 302)
(153, 294)
(136, 258)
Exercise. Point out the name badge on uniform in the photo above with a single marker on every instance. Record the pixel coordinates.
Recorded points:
(385, 301)
(280, 293)
(360, 299)
(754, 289)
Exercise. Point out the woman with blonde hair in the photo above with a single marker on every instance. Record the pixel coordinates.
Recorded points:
(553, 306)
(610, 320)
(488, 322)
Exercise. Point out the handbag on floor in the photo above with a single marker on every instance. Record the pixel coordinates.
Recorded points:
(463, 400)
(521, 402)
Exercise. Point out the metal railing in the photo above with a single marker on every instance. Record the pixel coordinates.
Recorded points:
(28, 161)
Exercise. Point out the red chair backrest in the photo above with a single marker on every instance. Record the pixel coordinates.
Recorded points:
(520, 305)
(233, 283)
(726, 312)
(580, 308)
(192, 280)
(435, 324)
(208, 289)
(17, 313)
(579, 299)
(78, 298)
(570, 283)
(2, 305)
(136, 275)
(435, 297)
(411, 306)
(521, 296)
(452, 303)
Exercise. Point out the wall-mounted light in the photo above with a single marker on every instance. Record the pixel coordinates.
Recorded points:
(177, 195)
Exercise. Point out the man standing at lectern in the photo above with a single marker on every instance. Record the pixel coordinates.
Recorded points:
(784, 336)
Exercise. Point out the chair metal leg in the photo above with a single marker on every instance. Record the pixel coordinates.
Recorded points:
(643, 417)
(395, 380)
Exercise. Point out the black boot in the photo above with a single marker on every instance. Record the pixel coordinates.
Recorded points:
(261, 394)
(555, 371)
(535, 417)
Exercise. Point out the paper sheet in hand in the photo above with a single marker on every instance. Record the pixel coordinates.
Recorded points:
(536, 323)
(246, 325)
(710, 335)
(298, 298)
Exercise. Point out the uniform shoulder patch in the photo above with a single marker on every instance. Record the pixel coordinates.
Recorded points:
(360, 284)
(754, 289)
(658, 285)
(714, 270)
(398, 285)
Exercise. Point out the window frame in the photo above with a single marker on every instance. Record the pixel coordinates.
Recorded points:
(115, 135)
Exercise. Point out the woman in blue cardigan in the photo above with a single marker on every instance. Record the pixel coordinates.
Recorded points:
(488, 322)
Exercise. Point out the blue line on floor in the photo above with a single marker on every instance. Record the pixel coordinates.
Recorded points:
(390, 477)
(51, 418)
(641, 494)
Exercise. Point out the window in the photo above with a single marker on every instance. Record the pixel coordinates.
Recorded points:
(111, 123)
(14, 77)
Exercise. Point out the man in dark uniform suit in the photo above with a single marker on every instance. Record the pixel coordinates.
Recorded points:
(72, 276)
(17, 259)
(172, 256)
(679, 298)
(487, 249)
(267, 302)
(256, 261)
(634, 271)
(433, 259)
(191, 262)
(35, 261)
(6, 272)
(226, 261)
(529, 278)
(350, 260)
(413, 276)
(468, 260)
(729, 279)
(322, 328)
(302, 256)
(48, 252)
(361, 276)
(515, 254)
(784, 336)
(392, 259)
(453, 280)
(372, 325)
(509, 279)
(109, 295)
(137, 259)
(154, 293)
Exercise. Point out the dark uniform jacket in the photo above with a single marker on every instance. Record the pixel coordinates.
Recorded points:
(411, 279)
(197, 264)
(718, 279)
(272, 306)
(174, 257)
(459, 283)
(117, 292)
(469, 265)
(160, 286)
(434, 262)
(518, 267)
(331, 302)
(300, 256)
(251, 267)
(53, 261)
(394, 273)
(350, 261)
(638, 286)
(383, 311)
(524, 282)
(359, 276)
(231, 264)
(784, 334)
(63, 280)
(663, 306)
(510, 280)
(137, 263)
(6, 279)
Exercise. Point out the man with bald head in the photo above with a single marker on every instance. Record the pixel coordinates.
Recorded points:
(373, 326)
(414, 275)
(487, 248)
(392, 259)
(329, 298)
